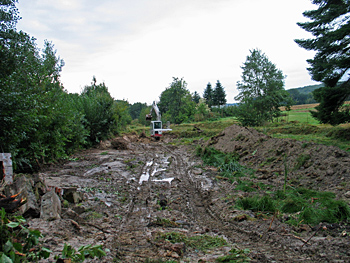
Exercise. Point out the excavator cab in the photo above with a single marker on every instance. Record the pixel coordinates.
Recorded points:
(156, 128)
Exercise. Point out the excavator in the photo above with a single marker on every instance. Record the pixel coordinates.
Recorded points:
(156, 126)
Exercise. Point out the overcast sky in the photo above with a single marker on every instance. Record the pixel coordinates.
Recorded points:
(137, 46)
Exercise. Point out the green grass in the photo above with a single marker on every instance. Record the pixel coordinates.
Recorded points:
(321, 134)
(303, 205)
(303, 116)
(227, 163)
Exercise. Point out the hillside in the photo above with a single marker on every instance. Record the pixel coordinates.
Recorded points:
(307, 89)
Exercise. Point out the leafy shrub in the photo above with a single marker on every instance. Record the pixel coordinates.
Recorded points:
(18, 243)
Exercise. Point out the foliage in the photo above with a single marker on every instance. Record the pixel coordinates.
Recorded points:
(261, 90)
(331, 108)
(196, 97)
(301, 98)
(143, 113)
(121, 116)
(18, 243)
(136, 109)
(219, 95)
(40, 121)
(330, 25)
(176, 103)
(208, 95)
(203, 112)
(97, 106)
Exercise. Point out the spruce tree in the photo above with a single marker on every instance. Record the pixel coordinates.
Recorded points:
(208, 95)
(330, 26)
(219, 95)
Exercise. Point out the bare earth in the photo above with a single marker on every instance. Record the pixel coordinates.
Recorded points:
(134, 188)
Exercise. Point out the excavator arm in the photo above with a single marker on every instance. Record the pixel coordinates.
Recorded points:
(156, 111)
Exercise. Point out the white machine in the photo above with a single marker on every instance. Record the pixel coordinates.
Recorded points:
(156, 126)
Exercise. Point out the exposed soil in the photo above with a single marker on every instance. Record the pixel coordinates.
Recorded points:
(133, 188)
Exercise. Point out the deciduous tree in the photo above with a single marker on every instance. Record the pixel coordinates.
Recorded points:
(261, 91)
(176, 103)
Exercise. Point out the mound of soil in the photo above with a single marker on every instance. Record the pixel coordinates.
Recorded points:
(307, 164)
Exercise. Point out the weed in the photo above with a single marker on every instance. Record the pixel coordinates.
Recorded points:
(104, 153)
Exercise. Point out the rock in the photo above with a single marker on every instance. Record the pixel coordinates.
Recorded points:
(347, 194)
(72, 196)
(50, 206)
(24, 185)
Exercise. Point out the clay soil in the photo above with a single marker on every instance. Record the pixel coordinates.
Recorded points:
(132, 190)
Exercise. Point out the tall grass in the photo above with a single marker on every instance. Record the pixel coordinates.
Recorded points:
(303, 205)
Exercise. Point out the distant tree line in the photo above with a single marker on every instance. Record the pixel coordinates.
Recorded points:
(300, 98)
(40, 121)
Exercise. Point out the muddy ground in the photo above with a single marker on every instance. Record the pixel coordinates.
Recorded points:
(131, 190)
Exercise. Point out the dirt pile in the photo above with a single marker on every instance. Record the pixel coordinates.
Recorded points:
(307, 164)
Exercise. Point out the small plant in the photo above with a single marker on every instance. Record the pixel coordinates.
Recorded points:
(104, 153)
(82, 253)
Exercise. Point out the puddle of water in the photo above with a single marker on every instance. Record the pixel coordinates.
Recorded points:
(169, 180)
(144, 178)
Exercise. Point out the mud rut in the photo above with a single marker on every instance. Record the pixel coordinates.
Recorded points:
(193, 207)
(171, 184)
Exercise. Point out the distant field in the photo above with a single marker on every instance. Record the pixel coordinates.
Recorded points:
(301, 113)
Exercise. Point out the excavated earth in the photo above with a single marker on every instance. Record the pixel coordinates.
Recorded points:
(130, 190)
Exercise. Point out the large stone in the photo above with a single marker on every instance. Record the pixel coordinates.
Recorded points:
(72, 196)
(24, 186)
(50, 206)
